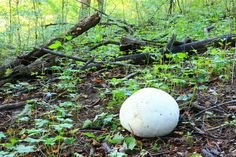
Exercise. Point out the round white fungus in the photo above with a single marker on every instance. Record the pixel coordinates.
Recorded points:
(149, 112)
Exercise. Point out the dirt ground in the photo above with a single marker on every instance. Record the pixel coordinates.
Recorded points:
(202, 127)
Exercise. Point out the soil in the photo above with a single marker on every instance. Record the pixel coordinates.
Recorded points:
(202, 127)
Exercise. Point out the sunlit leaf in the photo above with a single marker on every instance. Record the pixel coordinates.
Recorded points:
(50, 141)
(36, 131)
(130, 142)
(55, 45)
(108, 119)
(118, 138)
(41, 122)
(58, 137)
(8, 71)
(89, 135)
(68, 37)
(13, 140)
(66, 104)
(194, 155)
(31, 140)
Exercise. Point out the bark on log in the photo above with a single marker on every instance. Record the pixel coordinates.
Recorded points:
(24, 64)
(201, 46)
(147, 58)
(12, 105)
(129, 44)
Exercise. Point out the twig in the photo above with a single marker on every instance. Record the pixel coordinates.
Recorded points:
(60, 54)
(95, 103)
(161, 153)
(206, 134)
(228, 102)
(54, 24)
(106, 63)
(214, 128)
(87, 63)
(126, 28)
(104, 43)
(130, 75)
(12, 105)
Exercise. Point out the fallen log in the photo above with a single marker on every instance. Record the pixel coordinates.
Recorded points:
(201, 46)
(130, 44)
(147, 58)
(12, 105)
(24, 65)
(26, 70)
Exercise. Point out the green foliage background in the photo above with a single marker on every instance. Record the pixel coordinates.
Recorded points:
(23, 23)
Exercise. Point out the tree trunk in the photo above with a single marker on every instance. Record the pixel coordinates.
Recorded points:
(86, 5)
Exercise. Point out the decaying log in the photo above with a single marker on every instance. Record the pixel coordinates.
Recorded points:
(130, 44)
(23, 65)
(42, 56)
(201, 46)
(12, 105)
(183, 46)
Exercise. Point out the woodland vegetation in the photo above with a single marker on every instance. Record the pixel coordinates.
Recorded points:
(66, 66)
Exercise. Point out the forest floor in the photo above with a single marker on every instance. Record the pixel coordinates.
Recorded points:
(64, 97)
(202, 127)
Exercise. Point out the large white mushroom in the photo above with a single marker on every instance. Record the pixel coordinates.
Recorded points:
(149, 112)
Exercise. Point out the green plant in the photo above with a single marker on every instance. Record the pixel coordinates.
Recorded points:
(231, 122)
(49, 131)
(118, 96)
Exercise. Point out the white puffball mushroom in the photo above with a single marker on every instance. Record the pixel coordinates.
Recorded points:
(149, 112)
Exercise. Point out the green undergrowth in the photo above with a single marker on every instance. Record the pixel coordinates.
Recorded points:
(54, 127)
